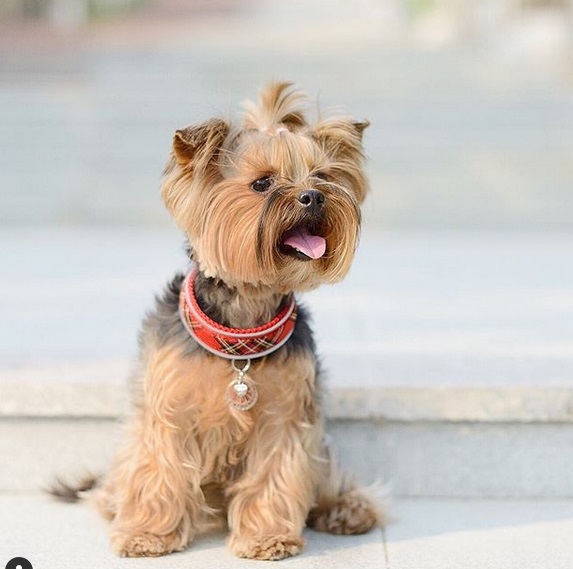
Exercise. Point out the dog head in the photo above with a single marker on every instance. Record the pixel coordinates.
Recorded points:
(273, 203)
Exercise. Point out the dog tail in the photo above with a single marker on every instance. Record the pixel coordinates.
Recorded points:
(71, 492)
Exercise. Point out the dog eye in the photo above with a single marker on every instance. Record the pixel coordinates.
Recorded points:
(262, 184)
(321, 176)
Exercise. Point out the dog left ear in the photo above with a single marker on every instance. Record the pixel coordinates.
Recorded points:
(361, 126)
(341, 139)
(340, 133)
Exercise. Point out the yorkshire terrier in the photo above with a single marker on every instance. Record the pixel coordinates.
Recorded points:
(227, 414)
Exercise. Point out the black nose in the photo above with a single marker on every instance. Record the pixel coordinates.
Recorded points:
(313, 199)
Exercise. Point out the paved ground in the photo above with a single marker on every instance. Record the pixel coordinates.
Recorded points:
(426, 534)
(53, 536)
(458, 534)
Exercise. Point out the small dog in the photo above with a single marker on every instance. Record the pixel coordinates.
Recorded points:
(227, 418)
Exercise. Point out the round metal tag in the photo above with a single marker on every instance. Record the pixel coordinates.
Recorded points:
(241, 393)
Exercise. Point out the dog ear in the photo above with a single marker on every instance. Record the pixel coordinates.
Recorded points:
(193, 161)
(338, 134)
(361, 126)
(341, 139)
(198, 144)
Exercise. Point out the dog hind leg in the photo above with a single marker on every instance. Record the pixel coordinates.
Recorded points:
(341, 507)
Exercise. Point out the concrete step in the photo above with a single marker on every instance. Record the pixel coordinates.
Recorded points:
(415, 458)
(449, 357)
(428, 533)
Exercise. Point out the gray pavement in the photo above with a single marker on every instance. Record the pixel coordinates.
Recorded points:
(424, 534)
(61, 536)
(482, 534)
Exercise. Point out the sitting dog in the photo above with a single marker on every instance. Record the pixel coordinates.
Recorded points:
(227, 413)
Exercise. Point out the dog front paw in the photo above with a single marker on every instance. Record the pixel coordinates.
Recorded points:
(270, 548)
(145, 544)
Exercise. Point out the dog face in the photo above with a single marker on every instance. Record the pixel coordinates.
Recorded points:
(274, 203)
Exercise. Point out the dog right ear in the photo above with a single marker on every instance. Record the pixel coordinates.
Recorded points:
(197, 145)
(193, 160)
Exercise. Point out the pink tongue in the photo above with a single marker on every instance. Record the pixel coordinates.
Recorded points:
(300, 239)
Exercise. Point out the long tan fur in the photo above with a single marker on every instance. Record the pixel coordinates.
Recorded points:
(189, 459)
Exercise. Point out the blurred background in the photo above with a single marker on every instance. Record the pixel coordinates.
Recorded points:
(470, 101)
(471, 105)
(463, 278)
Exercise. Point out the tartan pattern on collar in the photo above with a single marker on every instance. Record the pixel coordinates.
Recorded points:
(233, 343)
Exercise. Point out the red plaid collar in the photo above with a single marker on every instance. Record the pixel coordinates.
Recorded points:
(233, 343)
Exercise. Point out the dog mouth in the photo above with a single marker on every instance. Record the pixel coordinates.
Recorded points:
(303, 243)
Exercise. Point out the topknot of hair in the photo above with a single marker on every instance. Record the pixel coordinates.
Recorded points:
(279, 104)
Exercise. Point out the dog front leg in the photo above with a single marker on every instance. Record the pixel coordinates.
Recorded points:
(154, 488)
(152, 491)
(270, 502)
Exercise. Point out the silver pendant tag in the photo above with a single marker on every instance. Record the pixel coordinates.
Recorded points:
(241, 393)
